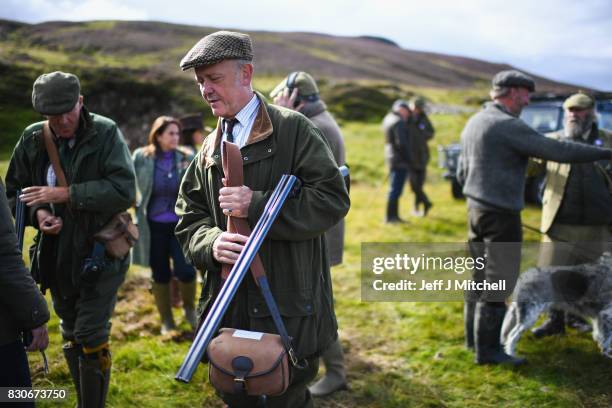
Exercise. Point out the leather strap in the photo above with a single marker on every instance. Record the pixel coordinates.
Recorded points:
(54, 155)
(234, 177)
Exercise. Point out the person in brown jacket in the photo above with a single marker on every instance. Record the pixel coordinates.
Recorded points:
(22, 307)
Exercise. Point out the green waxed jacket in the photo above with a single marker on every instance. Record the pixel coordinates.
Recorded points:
(294, 254)
(102, 183)
(145, 172)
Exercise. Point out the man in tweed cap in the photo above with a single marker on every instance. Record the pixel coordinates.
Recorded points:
(273, 141)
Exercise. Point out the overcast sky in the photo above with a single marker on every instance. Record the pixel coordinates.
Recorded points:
(566, 40)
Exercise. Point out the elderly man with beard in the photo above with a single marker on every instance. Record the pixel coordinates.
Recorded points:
(577, 202)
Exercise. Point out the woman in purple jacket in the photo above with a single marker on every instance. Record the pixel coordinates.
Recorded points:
(160, 166)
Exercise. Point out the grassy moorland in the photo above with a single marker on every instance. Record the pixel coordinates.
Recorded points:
(398, 354)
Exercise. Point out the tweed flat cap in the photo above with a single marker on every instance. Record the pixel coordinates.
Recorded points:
(303, 81)
(513, 79)
(580, 101)
(216, 47)
(55, 93)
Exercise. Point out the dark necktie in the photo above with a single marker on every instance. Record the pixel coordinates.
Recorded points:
(229, 127)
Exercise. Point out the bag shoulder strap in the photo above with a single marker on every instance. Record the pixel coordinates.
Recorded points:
(54, 155)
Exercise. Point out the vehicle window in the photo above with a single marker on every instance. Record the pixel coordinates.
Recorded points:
(543, 118)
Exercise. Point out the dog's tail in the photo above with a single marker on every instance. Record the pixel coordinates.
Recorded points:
(510, 321)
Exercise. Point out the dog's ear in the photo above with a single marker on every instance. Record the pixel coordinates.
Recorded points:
(569, 284)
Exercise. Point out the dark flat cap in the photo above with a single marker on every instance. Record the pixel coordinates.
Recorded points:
(513, 79)
(216, 47)
(192, 121)
(55, 93)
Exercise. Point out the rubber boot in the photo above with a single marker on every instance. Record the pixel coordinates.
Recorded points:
(72, 353)
(555, 324)
(161, 292)
(392, 216)
(468, 320)
(335, 375)
(427, 207)
(488, 319)
(175, 294)
(188, 292)
(95, 377)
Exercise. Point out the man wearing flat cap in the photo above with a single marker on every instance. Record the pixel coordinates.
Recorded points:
(577, 202)
(99, 183)
(299, 91)
(495, 148)
(272, 141)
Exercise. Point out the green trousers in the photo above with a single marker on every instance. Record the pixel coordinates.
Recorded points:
(85, 315)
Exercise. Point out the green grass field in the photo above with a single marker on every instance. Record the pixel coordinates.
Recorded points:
(398, 354)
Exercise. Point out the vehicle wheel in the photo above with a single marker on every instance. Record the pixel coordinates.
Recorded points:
(456, 188)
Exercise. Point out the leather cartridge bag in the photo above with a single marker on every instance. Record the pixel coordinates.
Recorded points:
(243, 361)
(120, 234)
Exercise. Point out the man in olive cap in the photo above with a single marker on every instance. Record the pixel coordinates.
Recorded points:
(99, 183)
(577, 203)
(273, 141)
(420, 131)
(300, 92)
(495, 148)
(397, 155)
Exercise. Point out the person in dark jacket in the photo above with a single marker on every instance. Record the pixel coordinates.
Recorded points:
(495, 148)
(22, 307)
(299, 91)
(159, 167)
(100, 180)
(273, 141)
(397, 155)
(420, 131)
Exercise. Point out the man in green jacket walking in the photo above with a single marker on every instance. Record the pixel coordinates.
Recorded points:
(273, 141)
(101, 183)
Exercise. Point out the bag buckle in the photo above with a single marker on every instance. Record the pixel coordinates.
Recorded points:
(293, 357)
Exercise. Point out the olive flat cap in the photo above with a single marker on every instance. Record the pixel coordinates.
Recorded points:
(513, 79)
(55, 93)
(303, 81)
(580, 101)
(216, 47)
(192, 122)
(417, 102)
